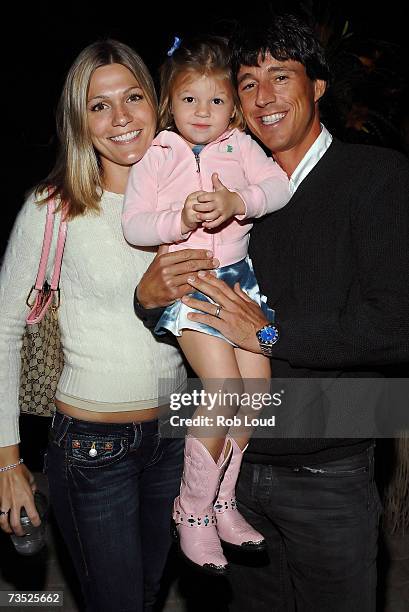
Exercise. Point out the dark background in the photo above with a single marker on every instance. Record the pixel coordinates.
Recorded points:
(46, 38)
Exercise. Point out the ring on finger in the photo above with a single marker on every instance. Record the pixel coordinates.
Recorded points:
(218, 310)
(4, 512)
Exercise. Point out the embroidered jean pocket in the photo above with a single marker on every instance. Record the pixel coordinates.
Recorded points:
(94, 452)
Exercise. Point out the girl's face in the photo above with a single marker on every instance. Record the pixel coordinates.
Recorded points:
(202, 107)
(120, 119)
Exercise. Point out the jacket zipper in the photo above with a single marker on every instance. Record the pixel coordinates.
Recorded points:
(197, 158)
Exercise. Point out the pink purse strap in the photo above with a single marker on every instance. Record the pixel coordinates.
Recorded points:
(45, 252)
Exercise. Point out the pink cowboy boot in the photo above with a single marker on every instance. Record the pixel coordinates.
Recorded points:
(193, 513)
(232, 528)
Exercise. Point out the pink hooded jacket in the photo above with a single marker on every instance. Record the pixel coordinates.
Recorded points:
(159, 184)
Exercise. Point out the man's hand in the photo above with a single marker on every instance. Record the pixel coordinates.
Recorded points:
(166, 278)
(239, 318)
(216, 207)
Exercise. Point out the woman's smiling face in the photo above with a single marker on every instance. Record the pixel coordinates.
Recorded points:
(120, 119)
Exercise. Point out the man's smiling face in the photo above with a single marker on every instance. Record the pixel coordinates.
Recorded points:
(279, 102)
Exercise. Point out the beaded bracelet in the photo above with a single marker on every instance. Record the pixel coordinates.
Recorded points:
(11, 466)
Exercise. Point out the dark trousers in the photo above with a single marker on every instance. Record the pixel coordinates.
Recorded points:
(321, 527)
(112, 487)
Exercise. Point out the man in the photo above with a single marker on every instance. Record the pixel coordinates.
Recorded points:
(334, 264)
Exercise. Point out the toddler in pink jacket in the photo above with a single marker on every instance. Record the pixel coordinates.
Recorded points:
(199, 186)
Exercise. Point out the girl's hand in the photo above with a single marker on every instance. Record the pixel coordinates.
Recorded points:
(189, 219)
(16, 491)
(216, 207)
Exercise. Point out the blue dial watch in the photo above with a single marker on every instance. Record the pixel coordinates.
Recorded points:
(267, 336)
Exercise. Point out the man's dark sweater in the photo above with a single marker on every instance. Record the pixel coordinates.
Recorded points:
(334, 264)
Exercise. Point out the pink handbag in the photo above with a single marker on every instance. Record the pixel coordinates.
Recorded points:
(41, 352)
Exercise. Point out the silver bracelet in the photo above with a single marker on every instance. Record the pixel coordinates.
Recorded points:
(11, 466)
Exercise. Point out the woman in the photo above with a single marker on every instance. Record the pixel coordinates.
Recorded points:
(112, 478)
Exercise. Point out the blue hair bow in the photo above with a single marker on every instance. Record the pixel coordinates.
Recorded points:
(176, 45)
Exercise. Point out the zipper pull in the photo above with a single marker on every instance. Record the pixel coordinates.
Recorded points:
(197, 157)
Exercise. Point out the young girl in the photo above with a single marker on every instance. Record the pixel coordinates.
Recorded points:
(198, 186)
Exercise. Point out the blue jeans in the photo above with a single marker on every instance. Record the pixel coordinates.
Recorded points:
(112, 488)
(321, 527)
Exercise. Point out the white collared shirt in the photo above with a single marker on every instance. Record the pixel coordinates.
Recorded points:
(312, 157)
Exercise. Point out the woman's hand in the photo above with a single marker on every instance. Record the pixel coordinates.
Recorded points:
(239, 317)
(166, 278)
(16, 491)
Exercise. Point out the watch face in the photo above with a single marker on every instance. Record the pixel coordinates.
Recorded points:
(268, 334)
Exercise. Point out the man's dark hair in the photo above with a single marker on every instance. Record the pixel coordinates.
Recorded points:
(286, 37)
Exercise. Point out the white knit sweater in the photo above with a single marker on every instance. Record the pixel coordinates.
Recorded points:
(109, 355)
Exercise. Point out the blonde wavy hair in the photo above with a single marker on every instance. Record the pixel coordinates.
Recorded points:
(76, 179)
(210, 57)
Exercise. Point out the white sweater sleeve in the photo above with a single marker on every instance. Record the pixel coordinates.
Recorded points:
(17, 276)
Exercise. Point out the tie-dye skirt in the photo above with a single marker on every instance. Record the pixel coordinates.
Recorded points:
(174, 318)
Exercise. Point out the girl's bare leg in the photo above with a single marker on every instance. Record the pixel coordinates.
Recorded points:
(214, 361)
(255, 372)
